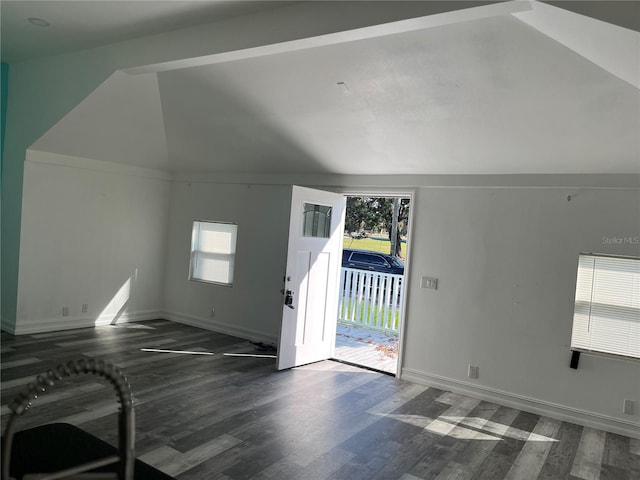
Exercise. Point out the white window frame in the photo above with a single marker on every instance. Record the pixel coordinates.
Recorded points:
(213, 252)
(606, 319)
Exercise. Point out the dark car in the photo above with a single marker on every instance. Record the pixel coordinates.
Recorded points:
(373, 261)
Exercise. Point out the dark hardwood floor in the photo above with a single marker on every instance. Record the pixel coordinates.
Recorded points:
(219, 417)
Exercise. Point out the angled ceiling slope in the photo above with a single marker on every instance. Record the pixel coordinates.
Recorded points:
(121, 121)
(613, 48)
(516, 87)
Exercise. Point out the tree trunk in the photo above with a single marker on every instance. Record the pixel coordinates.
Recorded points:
(394, 234)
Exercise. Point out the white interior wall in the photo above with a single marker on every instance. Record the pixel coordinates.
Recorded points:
(92, 233)
(252, 307)
(506, 261)
(505, 258)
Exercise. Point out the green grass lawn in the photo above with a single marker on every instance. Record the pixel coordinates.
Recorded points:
(383, 245)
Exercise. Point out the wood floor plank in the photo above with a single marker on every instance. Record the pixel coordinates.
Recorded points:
(617, 451)
(325, 465)
(483, 425)
(562, 454)
(446, 441)
(173, 462)
(609, 472)
(232, 418)
(67, 393)
(483, 461)
(454, 471)
(529, 462)
(408, 476)
(114, 339)
(588, 460)
(283, 468)
(345, 424)
(125, 346)
(17, 382)
(19, 363)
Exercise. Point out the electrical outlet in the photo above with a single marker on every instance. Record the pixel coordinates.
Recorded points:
(65, 311)
(473, 371)
(85, 308)
(628, 406)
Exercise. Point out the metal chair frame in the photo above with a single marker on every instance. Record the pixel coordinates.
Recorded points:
(126, 422)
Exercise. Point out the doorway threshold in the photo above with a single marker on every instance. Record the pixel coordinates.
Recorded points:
(367, 348)
(363, 367)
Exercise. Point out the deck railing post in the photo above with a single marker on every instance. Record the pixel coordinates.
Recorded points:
(370, 299)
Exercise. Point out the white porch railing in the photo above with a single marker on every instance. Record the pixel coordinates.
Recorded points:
(370, 299)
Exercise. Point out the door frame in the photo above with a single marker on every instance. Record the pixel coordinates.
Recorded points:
(391, 193)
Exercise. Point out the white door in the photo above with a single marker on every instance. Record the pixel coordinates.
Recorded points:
(311, 282)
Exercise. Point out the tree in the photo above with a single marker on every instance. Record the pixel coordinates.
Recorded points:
(370, 214)
(361, 216)
(394, 233)
(396, 226)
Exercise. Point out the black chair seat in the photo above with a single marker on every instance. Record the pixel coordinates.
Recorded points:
(58, 446)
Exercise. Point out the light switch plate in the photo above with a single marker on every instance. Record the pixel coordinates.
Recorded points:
(429, 282)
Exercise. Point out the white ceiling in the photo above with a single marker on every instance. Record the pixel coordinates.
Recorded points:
(488, 96)
(81, 24)
(521, 93)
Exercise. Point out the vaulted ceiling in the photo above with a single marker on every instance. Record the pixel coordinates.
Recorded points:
(522, 87)
(83, 24)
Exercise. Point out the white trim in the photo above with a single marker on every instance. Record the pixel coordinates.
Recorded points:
(390, 192)
(47, 158)
(209, 324)
(520, 402)
(383, 183)
(413, 204)
(68, 323)
(349, 183)
(336, 38)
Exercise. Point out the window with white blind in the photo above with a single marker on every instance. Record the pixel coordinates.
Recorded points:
(213, 252)
(606, 318)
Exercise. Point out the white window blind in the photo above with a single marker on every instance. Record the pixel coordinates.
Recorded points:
(213, 252)
(606, 318)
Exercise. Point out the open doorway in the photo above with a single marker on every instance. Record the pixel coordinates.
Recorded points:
(372, 281)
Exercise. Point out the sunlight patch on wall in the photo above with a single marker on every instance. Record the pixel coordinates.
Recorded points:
(117, 306)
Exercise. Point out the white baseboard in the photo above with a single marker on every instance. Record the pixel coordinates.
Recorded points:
(533, 405)
(29, 327)
(209, 324)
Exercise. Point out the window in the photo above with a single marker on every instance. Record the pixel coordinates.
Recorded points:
(213, 252)
(396, 263)
(606, 318)
(366, 258)
(316, 221)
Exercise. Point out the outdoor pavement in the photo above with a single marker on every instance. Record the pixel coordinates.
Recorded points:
(370, 348)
